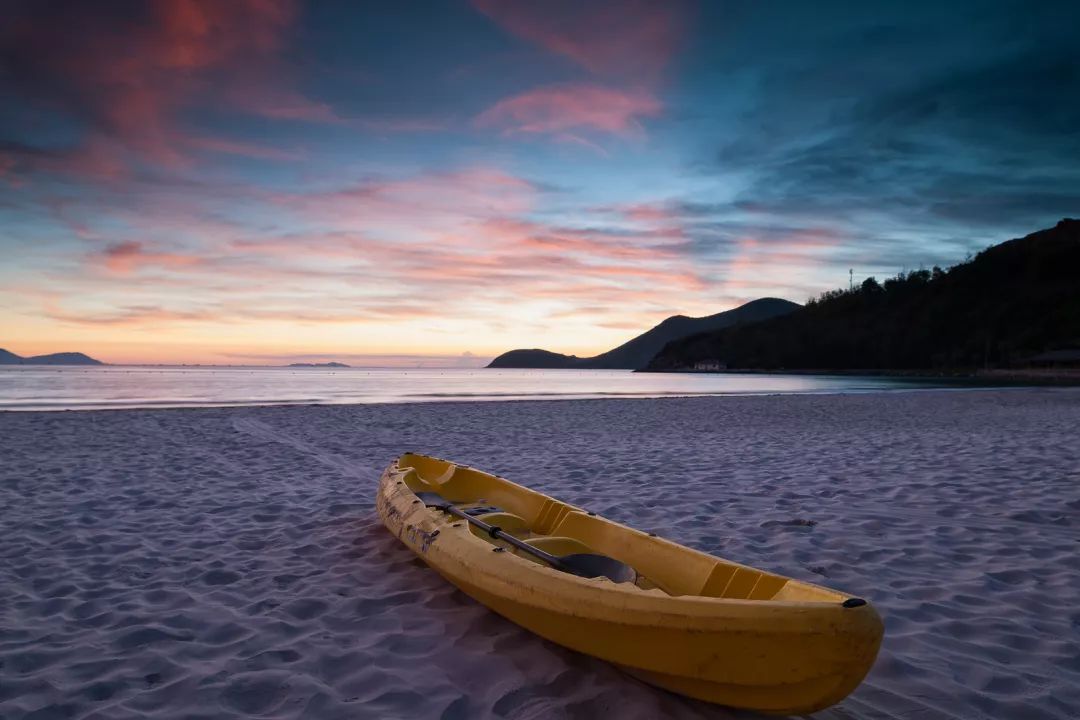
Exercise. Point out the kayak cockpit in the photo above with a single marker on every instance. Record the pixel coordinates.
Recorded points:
(562, 530)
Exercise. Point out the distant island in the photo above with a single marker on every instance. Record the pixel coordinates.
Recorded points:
(1014, 305)
(636, 353)
(63, 358)
(319, 365)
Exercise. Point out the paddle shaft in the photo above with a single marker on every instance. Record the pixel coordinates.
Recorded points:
(498, 533)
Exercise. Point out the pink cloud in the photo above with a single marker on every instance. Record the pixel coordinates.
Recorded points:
(244, 149)
(133, 315)
(650, 213)
(8, 167)
(533, 236)
(437, 201)
(631, 40)
(565, 109)
(260, 96)
(129, 78)
(464, 244)
(401, 124)
(778, 262)
(626, 43)
(439, 227)
(334, 245)
(467, 256)
(127, 257)
(142, 315)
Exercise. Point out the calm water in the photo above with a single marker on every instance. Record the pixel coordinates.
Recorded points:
(52, 388)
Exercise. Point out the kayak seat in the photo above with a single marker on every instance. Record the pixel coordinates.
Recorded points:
(559, 546)
(551, 513)
(507, 522)
(429, 471)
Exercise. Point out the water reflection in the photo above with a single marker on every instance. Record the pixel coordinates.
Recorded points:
(52, 388)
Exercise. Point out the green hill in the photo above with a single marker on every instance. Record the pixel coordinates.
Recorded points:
(636, 353)
(1008, 303)
(64, 358)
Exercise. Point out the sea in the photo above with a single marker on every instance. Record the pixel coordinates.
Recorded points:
(25, 387)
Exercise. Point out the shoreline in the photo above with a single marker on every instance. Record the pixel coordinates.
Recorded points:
(467, 400)
(980, 378)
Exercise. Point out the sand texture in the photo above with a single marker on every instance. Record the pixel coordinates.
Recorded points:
(229, 562)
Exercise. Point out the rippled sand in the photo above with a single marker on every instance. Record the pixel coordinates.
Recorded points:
(228, 562)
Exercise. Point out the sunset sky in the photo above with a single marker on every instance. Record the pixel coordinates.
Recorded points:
(259, 181)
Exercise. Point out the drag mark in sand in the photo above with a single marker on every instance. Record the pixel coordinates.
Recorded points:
(262, 430)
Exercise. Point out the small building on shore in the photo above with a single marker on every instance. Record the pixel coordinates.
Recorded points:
(710, 365)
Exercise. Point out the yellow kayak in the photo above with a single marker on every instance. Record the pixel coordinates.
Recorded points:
(674, 617)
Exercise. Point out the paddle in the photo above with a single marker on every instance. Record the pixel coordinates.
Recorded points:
(586, 565)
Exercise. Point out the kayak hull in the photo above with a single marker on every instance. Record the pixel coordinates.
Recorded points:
(777, 655)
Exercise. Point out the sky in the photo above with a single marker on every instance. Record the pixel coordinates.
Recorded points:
(262, 181)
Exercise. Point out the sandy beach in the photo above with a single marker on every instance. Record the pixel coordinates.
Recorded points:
(228, 562)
